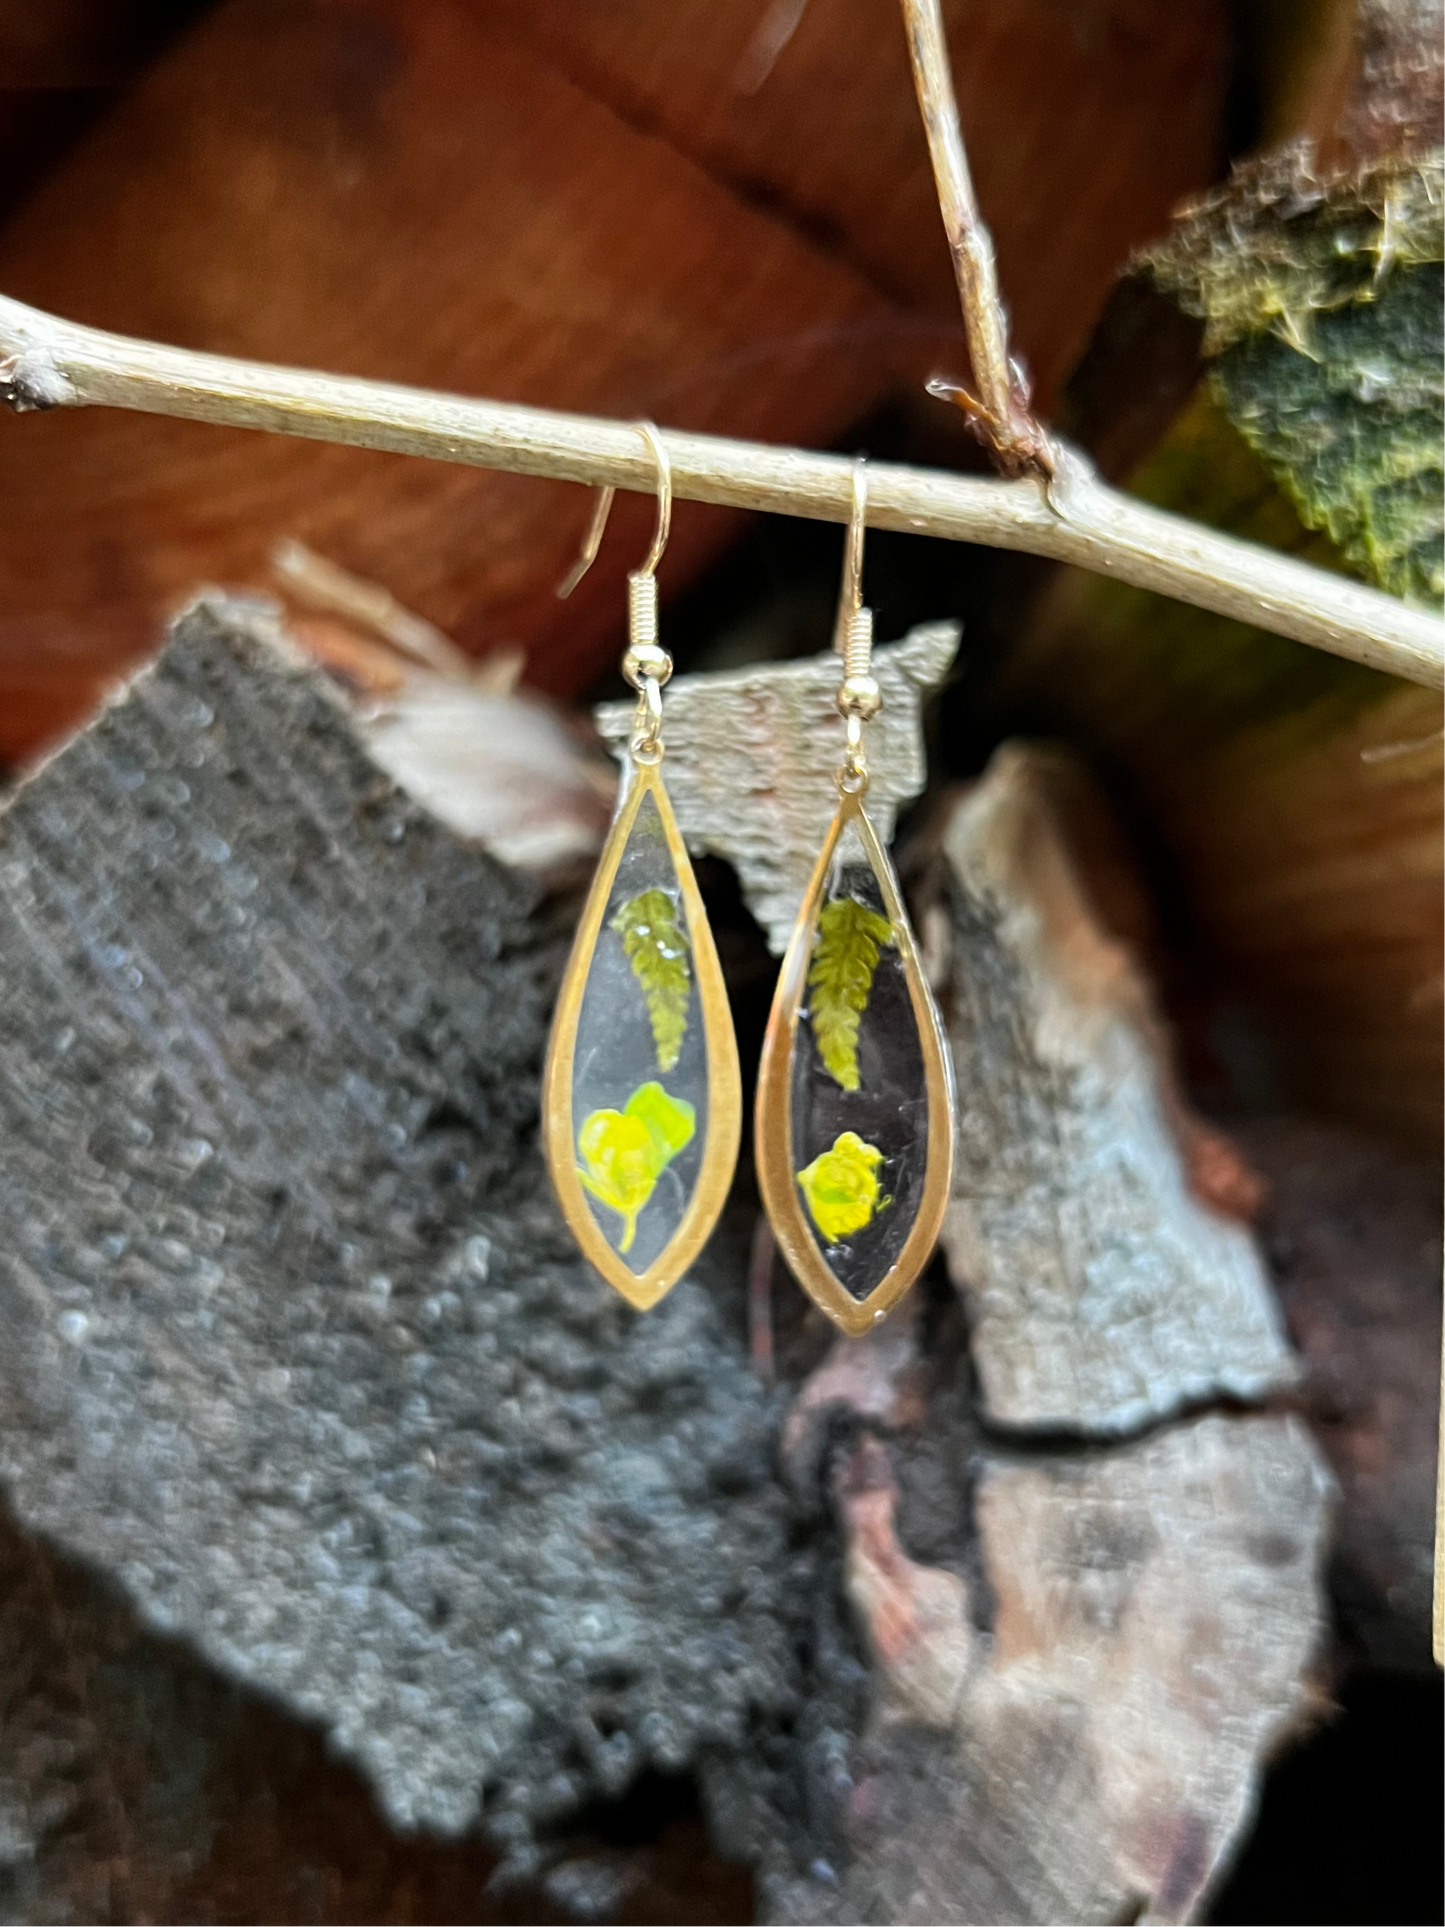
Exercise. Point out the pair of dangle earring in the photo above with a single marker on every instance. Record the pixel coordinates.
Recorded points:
(642, 1094)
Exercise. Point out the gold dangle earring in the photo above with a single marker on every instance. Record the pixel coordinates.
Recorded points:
(641, 1099)
(854, 1127)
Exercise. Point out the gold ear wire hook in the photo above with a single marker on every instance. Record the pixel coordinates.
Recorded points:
(647, 664)
(592, 541)
(850, 595)
(664, 498)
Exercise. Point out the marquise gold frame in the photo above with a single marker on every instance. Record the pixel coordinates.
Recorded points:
(774, 1120)
(643, 1289)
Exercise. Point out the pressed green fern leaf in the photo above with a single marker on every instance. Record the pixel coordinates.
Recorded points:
(840, 978)
(657, 951)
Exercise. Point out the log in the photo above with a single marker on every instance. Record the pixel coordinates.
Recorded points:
(1086, 1746)
(1082, 134)
(479, 200)
(1080, 1653)
(1297, 802)
(136, 1783)
(294, 1343)
(294, 1349)
(1102, 1291)
(1091, 1610)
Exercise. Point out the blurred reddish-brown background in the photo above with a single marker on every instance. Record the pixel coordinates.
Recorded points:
(620, 206)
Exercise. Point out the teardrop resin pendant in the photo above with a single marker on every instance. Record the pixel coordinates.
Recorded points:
(642, 1099)
(855, 1090)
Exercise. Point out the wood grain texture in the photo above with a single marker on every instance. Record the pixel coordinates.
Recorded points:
(1155, 1611)
(402, 190)
(1081, 1657)
(1103, 1293)
(1299, 804)
(1084, 125)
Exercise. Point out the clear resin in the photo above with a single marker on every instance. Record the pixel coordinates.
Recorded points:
(855, 1118)
(642, 1097)
(639, 1070)
(860, 1101)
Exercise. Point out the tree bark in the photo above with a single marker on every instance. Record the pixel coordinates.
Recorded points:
(293, 1348)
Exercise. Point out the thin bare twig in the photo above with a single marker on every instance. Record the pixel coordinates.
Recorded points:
(49, 363)
(1000, 411)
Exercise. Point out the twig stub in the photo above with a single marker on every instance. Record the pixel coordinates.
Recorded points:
(1000, 413)
(30, 382)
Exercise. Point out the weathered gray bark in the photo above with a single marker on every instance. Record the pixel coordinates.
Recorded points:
(293, 1340)
(1080, 1657)
(1080, 1653)
(292, 1343)
(1086, 1751)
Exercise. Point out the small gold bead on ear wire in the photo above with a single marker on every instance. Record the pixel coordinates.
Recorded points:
(644, 659)
(860, 696)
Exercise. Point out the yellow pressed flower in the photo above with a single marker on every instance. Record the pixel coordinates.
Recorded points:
(841, 1187)
(625, 1152)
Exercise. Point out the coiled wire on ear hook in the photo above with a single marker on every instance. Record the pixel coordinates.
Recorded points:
(859, 697)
